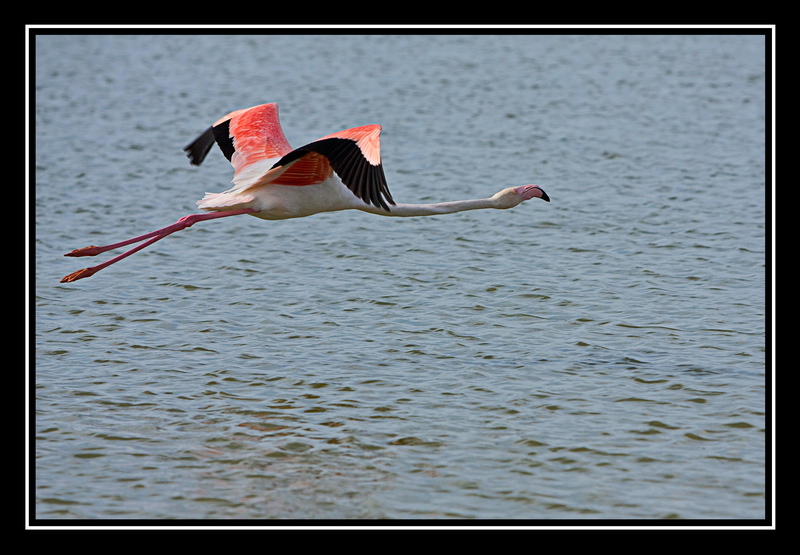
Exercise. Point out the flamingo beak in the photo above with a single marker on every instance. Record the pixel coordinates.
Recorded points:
(544, 195)
(532, 191)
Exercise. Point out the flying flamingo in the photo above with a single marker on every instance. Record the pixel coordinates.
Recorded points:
(272, 181)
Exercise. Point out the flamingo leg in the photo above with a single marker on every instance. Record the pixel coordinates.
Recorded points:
(153, 236)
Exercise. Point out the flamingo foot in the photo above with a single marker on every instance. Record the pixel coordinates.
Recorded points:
(86, 251)
(80, 274)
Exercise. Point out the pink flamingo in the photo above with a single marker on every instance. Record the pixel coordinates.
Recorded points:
(272, 181)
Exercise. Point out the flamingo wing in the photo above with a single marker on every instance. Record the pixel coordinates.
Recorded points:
(245, 137)
(353, 154)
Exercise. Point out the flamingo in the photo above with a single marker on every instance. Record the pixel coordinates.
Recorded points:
(272, 181)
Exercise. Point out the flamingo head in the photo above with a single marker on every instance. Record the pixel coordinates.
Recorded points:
(508, 198)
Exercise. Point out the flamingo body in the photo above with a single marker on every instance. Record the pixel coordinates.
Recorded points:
(342, 167)
(272, 181)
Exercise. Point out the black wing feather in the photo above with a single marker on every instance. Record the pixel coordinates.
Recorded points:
(198, 149)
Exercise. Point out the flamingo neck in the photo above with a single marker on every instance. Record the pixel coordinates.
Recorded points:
(406, 210)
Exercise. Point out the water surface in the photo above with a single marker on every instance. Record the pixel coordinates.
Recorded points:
(598, 357)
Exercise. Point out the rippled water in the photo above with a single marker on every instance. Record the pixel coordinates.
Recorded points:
(602, 356)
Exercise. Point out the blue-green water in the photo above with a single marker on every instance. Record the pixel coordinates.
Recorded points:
(602, 356)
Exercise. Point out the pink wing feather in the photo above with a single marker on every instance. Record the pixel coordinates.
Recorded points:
(256, 135)
(244, 136)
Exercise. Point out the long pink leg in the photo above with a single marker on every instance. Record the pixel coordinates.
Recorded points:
(153, 236)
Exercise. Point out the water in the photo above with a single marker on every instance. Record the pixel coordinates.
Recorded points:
(600, 357)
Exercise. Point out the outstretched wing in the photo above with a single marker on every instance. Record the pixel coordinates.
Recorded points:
(245, 137)
(353, 154)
